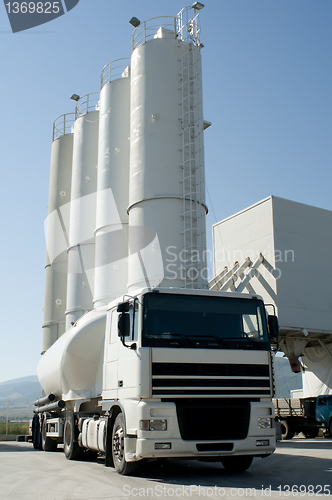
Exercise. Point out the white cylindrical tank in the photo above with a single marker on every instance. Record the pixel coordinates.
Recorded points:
(81, 248)
(56, 234)
(111, 263)
(72, 368)
(167, 236)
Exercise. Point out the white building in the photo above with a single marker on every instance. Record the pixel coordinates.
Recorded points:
(282, 250)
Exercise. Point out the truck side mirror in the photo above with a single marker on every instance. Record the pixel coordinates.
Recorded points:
(124, 325)
(122, 307)
(273, 327)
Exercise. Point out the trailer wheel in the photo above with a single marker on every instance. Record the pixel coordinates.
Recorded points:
(36, 434)
(118, 449)
(70, 445)
(237, 464)
(311, 432)
(48, 444)
(287, 430)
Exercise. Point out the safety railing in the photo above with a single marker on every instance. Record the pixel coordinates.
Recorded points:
(120, 68)
(62, 125)
(188, 26)
(185, 26)
(86, 104)
(148, 30)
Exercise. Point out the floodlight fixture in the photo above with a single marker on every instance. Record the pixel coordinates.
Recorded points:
(197, 6)
(135, 22)
(75, 97)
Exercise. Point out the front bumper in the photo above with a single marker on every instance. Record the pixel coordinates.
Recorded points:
(138, 449)
(142, 444)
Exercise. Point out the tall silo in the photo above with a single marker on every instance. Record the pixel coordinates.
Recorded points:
(167, 188)
(111, 264)
(57, 237)
(81, 248)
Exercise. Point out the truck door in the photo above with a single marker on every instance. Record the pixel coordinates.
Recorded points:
(329, 409)
(128, 358)
(110, 384)
(322, 409)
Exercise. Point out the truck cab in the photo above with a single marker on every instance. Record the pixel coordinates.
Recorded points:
(323, 411)
(191, 374)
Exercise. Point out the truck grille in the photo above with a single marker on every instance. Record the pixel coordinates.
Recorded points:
(213, 420)
(198, 379)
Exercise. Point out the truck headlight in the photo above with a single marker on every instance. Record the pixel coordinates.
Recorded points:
(154, 425)
(264, 423)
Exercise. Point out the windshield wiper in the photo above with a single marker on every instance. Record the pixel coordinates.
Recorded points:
(167, 336)
(247, 338)
(199, 338)
(218, 339)
(252, 341)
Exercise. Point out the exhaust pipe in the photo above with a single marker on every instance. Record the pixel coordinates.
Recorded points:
(57, 405)
(45, 400)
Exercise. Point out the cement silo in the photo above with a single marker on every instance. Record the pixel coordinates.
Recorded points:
(56, 234)
(111, 234)
(81, 248)
(166, 157)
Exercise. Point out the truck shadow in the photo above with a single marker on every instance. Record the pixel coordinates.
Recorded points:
(275, 473)
(306, 444)
(13, 447)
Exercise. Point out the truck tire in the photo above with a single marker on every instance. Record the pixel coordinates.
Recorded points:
(36, 434)
(310, 432)
(287, 430)
(237, 464)
(118, 451)
(330, 428)
(48, 444)
(70, 445)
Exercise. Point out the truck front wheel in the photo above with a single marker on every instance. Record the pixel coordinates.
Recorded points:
(287, 430)
(70, 445)
(118, 449)
(237, 464)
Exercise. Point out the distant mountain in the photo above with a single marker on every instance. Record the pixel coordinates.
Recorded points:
(29, 378)
(22, 389)
(285, 379)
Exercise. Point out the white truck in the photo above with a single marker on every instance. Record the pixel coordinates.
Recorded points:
(167, 373)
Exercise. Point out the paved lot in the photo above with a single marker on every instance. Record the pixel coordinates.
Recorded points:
(302, 464)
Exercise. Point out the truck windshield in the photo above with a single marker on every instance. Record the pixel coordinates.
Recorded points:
(203, 322)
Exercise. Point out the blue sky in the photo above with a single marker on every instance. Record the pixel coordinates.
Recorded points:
(267, 83)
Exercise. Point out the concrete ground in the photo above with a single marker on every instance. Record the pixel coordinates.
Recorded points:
(299, 468)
